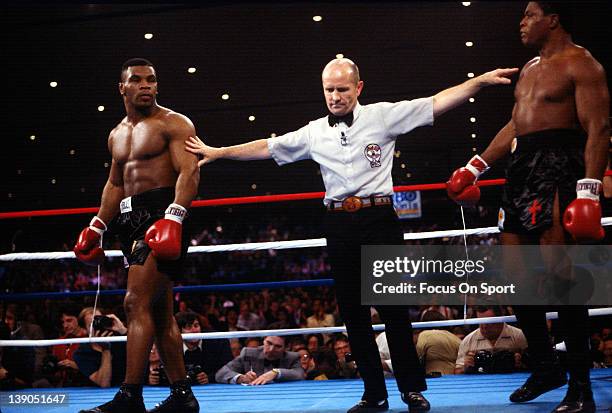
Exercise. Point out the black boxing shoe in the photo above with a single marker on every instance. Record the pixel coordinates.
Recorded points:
(127, 399)
(579, 399)
(181, 400)
(365, 406)
(538, 384)
(416, 402)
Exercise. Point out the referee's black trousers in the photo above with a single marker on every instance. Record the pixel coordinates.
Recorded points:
(346, 232)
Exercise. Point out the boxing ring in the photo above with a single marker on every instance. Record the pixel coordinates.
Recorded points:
(451, 393)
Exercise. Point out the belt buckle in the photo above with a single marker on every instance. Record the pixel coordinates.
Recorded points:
(352, 204)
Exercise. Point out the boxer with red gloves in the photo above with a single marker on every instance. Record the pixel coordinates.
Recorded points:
(582, 218)
(164, 237)
(88, 247)
(561, 98)
(461, 187)
(151, 184)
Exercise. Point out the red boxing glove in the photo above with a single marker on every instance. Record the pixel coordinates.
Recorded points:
(164, 236)
(582, 218)
(88, 248)
(461, 186)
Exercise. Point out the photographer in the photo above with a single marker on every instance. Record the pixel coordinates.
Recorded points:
(102, 363)
(492, 348)
(345, 365)
(203, 358)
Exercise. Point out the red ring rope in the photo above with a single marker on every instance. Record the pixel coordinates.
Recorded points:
(240, 200)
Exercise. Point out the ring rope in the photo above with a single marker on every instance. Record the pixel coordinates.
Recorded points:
(269, 245)
(288, 331)
(179, 289)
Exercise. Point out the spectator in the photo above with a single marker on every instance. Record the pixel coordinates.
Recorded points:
(248, 320)
(203, 358)
(21, 329)
(102, 363)
(16, 363)
(314, 342)
(437, 348)
(270, 362)
(157, 376)
(307, 362)
(252, 342)
(607, 350)
(236, 347)
(63, 370)
(347, 369)
(503, 346)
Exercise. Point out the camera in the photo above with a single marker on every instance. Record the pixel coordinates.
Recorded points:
(483, 360)
(102, 322)
(192, 371)
(348, 357)
(49, 365)
(163, 378)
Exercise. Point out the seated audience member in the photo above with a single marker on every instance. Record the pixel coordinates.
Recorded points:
(102, 363)
(314, 342)
(248, 320)
(347, 369)
(437, 348)
(60, 368)
(607, 351)
(16, 363)
(267, 363)
(307, 362)
(252, 342)
(21, 329)
(492, 348)
(236, 347)
(203, 358)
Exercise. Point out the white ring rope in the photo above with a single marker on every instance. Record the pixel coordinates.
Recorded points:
(271, 245)
(593, 312)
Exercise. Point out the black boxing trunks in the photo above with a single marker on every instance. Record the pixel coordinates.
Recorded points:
(541, 164)
(138, 213)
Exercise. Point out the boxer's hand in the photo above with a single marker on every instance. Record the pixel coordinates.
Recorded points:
(87, 248)
(207, 153)
(582, 218)
(461, 186)
(164, 236)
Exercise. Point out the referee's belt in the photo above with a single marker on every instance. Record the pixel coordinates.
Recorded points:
(355, 203)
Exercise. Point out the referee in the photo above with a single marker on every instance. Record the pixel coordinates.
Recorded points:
(354, 146)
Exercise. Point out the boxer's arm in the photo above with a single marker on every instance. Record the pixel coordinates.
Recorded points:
(592, 106)
(112, 194)
(184, 163)
(500, 145)
(457, 95)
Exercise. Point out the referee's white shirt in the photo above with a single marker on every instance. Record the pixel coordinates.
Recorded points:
(357, 160)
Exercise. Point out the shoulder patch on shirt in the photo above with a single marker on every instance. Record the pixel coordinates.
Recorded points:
(373, 153)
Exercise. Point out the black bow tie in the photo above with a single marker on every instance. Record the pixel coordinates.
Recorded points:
(333, 120)
(273, 363)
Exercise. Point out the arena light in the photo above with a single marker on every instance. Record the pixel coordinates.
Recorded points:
(191, 70)
(473, 119)
(100, 108)
(469, 44)
(466, 3)
(339, 56)
(53, 84)
(470, 74)
(148, 36)
(32, 137)
(254, 186)
(472, 100)
(317, 18)
(225, 96)
(473, 136)
(273, 135)
(72, 152)
(251, 118)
